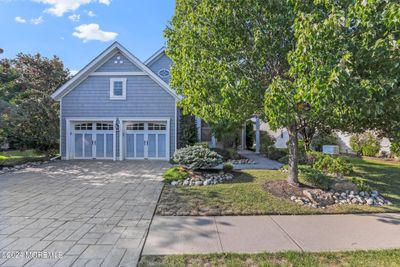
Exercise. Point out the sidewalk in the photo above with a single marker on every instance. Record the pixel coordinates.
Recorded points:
(251, 234)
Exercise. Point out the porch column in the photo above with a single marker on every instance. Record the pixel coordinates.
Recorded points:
(213, 141)
(243, 144)
(198, 126)
(258, 141)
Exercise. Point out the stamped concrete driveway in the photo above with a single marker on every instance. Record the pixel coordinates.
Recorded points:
(70, 213)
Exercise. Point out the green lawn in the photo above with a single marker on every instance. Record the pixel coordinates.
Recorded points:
(15, 157)
(354, 258)
(245, 196)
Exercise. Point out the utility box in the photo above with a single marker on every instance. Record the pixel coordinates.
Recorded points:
(331, 150)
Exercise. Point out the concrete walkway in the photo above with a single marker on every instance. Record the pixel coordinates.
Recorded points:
(251, 234)
(261, 161)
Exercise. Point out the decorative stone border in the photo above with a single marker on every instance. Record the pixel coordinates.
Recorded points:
(26, 165)
(204, 179)
(317, 198)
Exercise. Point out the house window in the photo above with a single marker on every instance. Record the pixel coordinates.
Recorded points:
(118, 88)
(163, 73)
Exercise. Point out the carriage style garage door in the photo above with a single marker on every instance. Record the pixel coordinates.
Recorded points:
(93, 140)
(145, 140)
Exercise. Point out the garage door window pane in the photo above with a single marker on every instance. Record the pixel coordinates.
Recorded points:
(130, 145)
(162, 140)
(100, 145)
(109, 146)
(78, 145)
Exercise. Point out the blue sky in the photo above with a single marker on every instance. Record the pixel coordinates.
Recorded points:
(78, 30)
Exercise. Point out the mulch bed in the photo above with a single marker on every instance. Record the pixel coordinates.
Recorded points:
(283, 189)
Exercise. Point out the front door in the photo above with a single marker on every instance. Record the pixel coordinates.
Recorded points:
(93, 140)
(146, 140)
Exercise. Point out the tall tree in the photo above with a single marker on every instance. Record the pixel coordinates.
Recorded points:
(298, 63)
(31, 116)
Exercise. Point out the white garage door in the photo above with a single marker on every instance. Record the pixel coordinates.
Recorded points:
(93, 140)
(146, 140)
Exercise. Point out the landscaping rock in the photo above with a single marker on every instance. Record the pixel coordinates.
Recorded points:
(317, 198)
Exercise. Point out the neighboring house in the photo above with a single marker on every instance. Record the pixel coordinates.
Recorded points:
(118, 108)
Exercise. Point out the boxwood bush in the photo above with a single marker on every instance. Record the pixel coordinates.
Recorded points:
(197, 157)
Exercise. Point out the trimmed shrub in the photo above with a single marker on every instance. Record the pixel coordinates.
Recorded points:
(276, 153)
(187, 131)
(284, 160)
(365, 144)
(321, 139)
(227, 154)
(176, 173)
(312, 157)
(330, 165)
(395, 148)
(266, 142)
(197, 157)
(228, 167)
(314, 177)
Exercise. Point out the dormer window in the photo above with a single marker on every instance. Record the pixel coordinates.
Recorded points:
(163, 73)
(118, 88)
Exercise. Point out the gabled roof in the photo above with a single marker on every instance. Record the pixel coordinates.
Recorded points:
(100, 60)
(155, 56)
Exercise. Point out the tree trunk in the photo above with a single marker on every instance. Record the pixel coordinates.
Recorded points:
(293, 171)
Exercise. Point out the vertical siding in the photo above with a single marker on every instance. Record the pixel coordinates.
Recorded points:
(114, 64)
(163, 62)
(145, 98)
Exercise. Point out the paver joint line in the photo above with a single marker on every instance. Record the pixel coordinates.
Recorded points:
(287, 234)
(91, 211)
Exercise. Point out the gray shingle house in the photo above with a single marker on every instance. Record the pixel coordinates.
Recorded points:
(118, 108)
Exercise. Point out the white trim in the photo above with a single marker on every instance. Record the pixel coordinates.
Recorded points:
(155, 56)
(118, 97)
(68, 133)
(60, 115)
(84, 73)
(122, 135)
(127, 73)
(103, 57)
(176, 126)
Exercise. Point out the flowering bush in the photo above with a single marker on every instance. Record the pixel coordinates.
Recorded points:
(197, 157)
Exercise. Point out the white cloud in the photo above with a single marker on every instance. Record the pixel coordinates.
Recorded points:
(106, 2)
(18, 19)
(91, 13)
(74, 17)
(73, 72)
(89, 32)
(37, 21)
(59, 7)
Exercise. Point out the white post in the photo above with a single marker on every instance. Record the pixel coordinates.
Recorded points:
(198, 126)
(243, 145)
(213, 141)
(258, 141)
